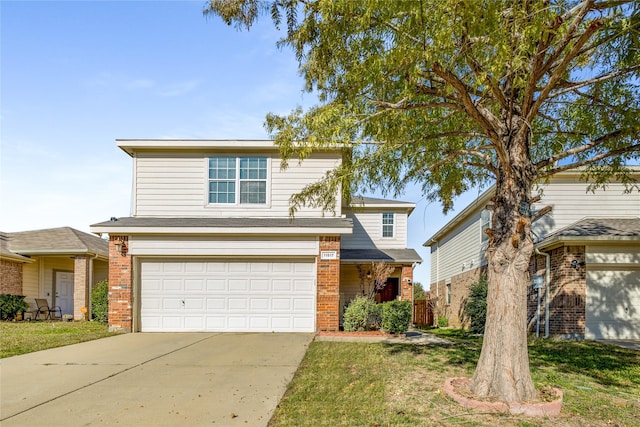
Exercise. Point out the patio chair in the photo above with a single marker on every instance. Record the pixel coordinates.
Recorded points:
(43, 308)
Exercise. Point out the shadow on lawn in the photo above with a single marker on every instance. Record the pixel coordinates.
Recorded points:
(606, 364)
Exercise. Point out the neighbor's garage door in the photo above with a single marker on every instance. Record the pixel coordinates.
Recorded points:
(613, 303)
(259, 296)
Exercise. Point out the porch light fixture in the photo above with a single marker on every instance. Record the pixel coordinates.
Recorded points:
(368, 274)
(121, 247)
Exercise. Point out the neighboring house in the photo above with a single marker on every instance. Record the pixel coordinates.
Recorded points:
(591, 241)
(59, 264)
(210, 245)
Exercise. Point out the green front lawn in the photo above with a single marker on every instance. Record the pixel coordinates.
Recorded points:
(26, 337)
(358, 384)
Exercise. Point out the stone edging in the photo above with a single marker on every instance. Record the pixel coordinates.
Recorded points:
(544, 409)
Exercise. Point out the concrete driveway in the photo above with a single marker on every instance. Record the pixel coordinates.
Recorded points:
(152, 379)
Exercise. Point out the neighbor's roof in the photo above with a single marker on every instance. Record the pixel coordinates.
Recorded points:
(56, 241)
(594, 230)
(135, 225)
(377, 255)
(359, 202)
(6, 254)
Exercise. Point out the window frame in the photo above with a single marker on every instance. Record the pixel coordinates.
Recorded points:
(448, 293)
(383, 225)
(485, 222)
(238, 180)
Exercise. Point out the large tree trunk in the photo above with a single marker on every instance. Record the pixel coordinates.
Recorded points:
(503, 368)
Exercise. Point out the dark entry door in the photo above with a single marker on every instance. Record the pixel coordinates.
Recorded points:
(390, 290)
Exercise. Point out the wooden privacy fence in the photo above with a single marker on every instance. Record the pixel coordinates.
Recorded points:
(423, 312)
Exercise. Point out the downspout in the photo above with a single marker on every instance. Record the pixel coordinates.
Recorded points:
(547, 283)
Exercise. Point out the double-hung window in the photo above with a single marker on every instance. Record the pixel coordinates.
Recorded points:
(238, 180)
(485, 222)
(387, 224)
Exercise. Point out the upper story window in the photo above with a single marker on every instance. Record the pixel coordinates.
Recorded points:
(388, 224)
(234, 180)
(485, 222)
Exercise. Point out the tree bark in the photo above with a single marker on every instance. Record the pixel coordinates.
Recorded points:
(503, 368)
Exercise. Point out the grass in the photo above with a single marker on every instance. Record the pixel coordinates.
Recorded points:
(25, 337)
(359, 384)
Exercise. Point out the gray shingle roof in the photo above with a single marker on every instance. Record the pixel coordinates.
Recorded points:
(603, 229)
(56, 240)
(386, 255)
(359, 200)
(228, 222)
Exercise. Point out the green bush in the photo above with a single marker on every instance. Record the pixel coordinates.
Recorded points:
(100, 301)
(476, 306)
(443, 322)
(418, 291)
(11, 305)
(396, 316)
(362, 314)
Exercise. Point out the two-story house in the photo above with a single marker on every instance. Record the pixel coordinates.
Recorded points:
(210, 245)
(587, 260)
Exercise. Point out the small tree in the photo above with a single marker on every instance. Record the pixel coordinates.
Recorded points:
(418, 291)
(476, 306)
(374, 278)
(100, 301)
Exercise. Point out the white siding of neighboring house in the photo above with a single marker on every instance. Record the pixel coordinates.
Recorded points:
(460, 251)
(221, 246)
(176, 185)
(367, 231)
(571, 202)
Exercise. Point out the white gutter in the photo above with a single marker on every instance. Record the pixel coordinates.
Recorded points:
(547, 283)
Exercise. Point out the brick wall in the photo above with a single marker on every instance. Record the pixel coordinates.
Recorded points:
(406, 283)
(120, 287)
(328, 296)
(568, 290)
(460, 283)
(10, 277)
(80, 292)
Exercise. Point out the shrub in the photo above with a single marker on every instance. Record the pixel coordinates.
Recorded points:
(443, 322)
(476, 306)
(100, 301)
(362, 314)
(11, 305)
(396, 316)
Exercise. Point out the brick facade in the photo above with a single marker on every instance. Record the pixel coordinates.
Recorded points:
(80, 283)
(10, 277)
(406, 283)
(120, 286)
(328, 284)
(459, 285)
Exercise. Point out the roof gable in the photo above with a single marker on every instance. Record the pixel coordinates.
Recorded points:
(63, 240)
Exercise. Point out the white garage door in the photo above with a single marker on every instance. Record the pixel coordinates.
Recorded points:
(244, 296)
(613, 304)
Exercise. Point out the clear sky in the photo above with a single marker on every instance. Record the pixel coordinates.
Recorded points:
(76, 75)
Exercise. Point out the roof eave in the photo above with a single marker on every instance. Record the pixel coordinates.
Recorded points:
(556, 241)
(223, 230)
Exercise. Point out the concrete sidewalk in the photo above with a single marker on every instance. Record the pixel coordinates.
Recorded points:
(152, 379)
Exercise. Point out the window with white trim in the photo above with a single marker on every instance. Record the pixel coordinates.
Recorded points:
(448, 293)
(388, 225)
(238, 180)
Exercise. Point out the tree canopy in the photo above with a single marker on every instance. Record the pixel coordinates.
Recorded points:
(426, 91)
(454, 94)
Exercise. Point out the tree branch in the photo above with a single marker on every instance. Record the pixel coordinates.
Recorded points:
(577, 85)
(577, 150)
(593, 159)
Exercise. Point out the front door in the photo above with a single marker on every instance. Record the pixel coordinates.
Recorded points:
(390, 291)
(64, 291)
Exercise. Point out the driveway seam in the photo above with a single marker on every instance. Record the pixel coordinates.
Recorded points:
(108, 377)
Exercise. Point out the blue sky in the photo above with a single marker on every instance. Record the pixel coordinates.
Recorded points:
(76, 75)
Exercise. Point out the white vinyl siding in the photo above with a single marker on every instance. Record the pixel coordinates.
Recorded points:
(460, 251)
(223, 295)
(176, 184)
(613, 292)
(571, 202)
(367, 231)
(222, 246)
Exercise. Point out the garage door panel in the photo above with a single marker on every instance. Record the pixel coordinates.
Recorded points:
(613, 304)
(222, 296)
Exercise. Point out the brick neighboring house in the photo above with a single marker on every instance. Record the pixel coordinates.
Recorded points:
(210, 245)
(59, 264)
(591, 280)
